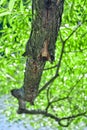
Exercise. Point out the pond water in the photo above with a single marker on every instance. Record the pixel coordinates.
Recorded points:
(5, 124)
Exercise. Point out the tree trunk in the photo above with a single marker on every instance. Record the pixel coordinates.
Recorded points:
(40, 47)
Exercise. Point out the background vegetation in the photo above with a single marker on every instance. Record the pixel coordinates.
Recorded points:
(15, 27)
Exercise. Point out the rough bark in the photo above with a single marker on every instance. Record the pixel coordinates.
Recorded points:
(40, 47)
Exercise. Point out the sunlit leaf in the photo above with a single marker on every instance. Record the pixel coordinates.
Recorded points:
(4, 13)
(21, 6)
(11, 5)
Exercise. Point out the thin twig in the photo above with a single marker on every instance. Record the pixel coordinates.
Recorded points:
(51, 67)
(50, 81)
(72, 88)
(56, 100)
(81, 50)
(63, 46)
(72, 32)
(73, 116)
(60, 59)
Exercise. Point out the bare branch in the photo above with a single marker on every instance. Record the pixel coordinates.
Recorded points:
(63, 46)
(48, 93)
(65, 125)
(56, 100)
(39, 112)
(72, 32)
(59, 120)
(71, 89)
(48, 100)
(50, 81)
(80, 50)
(74, 116)
(51, 67)
(60, 59)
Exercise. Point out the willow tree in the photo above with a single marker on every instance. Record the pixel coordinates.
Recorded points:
(40, 48)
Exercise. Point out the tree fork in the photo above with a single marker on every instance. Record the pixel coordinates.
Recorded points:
(40, 47)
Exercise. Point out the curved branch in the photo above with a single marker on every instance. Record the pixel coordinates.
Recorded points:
(74, 116)
(59, 120)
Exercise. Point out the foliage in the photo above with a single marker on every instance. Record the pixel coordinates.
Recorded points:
(15, 26)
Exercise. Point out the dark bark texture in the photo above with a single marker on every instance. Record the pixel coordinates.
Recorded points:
(46, 20)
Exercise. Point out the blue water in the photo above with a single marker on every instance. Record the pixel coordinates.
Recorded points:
(5, 124)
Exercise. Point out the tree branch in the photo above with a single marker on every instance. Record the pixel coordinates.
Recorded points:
(51, 67)
(60, 59)
(56, 100)
(72, 32)
(73, 116)
(80, 50)
(39, 112)
(49, 82)
(59, 120)
(71, 89)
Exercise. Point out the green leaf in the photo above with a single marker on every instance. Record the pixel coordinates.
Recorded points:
(21, 6)
(1, 2)
(4, 13)
(11, 4)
